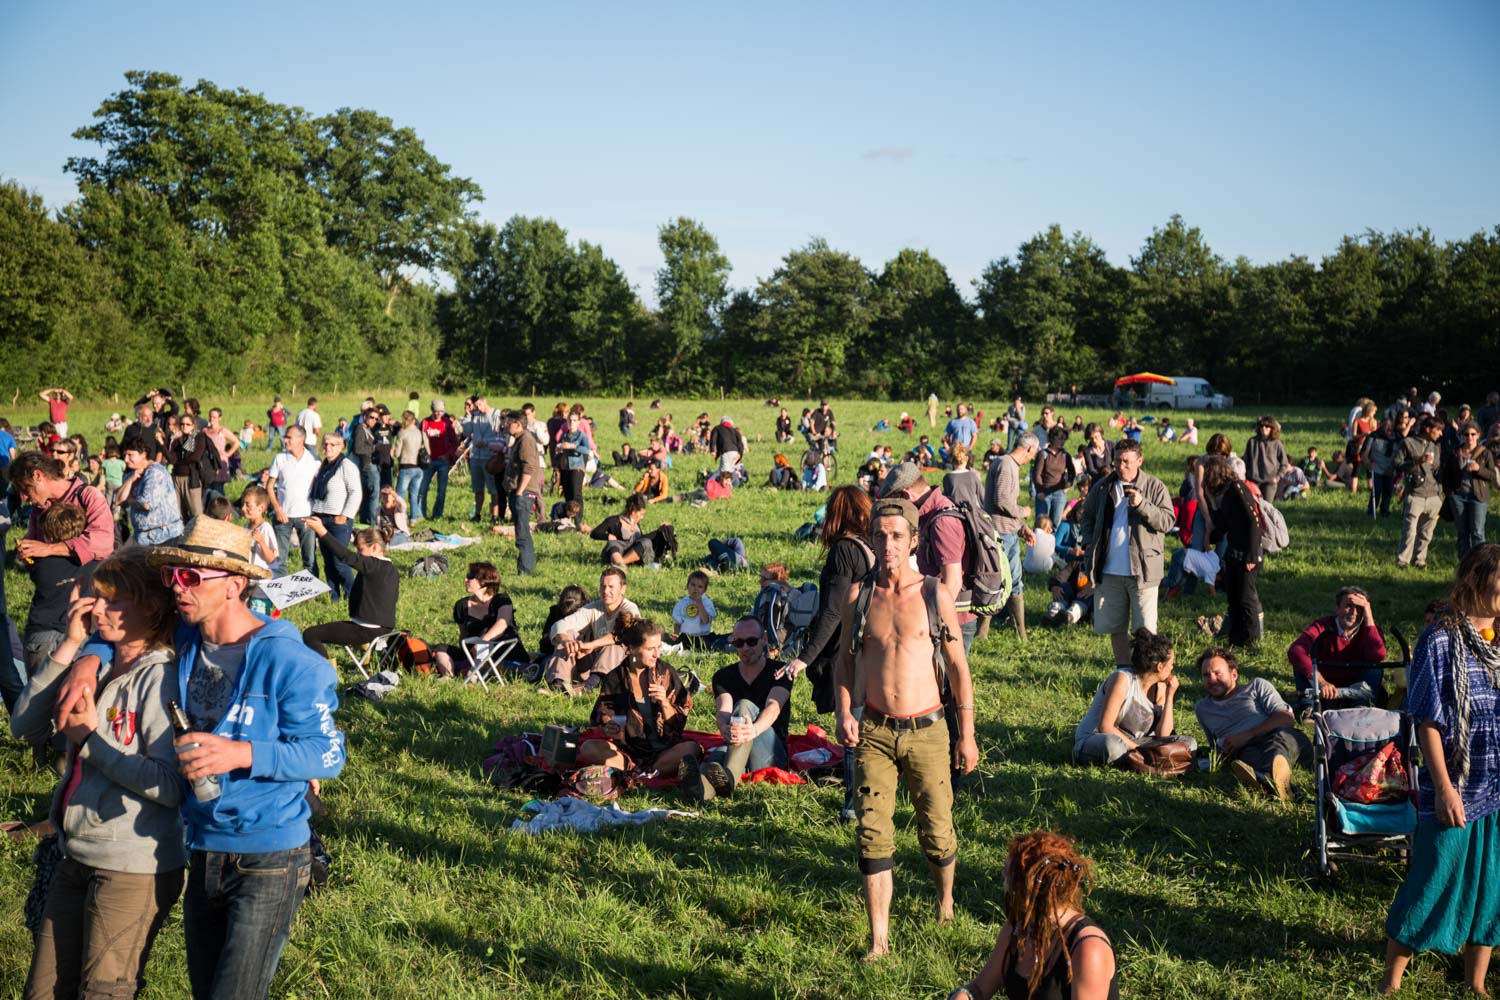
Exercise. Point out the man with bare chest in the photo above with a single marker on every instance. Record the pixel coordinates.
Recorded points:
(899, 635)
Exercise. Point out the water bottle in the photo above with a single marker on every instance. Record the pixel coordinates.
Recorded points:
(205, 789)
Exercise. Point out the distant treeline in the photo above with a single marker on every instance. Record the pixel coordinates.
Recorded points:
(222, 239)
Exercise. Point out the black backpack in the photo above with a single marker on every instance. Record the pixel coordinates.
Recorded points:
(211, 467)
(984, 581)
(935, 624)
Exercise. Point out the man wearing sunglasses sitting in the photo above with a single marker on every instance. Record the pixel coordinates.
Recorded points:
(753, 698)
(261, 705)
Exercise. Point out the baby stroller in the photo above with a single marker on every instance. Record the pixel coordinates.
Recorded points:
(786, 613)
(1365, 776)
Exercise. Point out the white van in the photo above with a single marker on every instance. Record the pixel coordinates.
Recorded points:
(1190, 393)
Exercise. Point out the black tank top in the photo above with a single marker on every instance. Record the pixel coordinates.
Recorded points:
(1055, 984)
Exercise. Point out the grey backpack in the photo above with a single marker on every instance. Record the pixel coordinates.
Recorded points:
(433, 565)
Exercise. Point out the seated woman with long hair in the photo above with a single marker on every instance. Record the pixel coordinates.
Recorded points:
(642, 707)
(1048, 947)
(372, 598)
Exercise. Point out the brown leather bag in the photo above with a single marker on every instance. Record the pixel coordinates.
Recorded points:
(496, 464)
(1166, 759)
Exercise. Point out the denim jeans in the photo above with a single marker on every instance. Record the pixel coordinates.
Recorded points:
(369, 479)
(1380, 493)
(1468, 520)
(436, 469)
(338, 574)
(766, 750)
(520, 513)
(1052, 505)
(273, 438)
(237, 916)
(11, 681)
(305, 539)
(1011, 546)
(1365, 691)
(409, 489)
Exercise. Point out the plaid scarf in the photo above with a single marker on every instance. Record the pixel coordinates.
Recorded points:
(1464, 638)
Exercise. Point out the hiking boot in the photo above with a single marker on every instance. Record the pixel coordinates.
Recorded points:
(690, 780)
(984, 629)
(1281, 778)
(1017, 608)
(1245, 775)
(718, 778)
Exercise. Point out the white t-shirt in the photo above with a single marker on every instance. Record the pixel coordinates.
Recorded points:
(1039, 552)
(690, 621)
(267, 535)
(309, 421)
(293, 482)
(1117, 560)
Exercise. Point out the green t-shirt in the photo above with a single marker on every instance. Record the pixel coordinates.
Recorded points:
(114, 471)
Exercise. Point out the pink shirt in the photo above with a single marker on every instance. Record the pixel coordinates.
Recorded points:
(947, 541)
(98, 538)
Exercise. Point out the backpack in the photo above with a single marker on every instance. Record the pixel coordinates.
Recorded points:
(596, 783)
(935, 624)
(985, 567)
(211, 466)
(433, 565)
(1273, 533)
(414, 654)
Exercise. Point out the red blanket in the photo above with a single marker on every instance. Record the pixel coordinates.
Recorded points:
(814, 739)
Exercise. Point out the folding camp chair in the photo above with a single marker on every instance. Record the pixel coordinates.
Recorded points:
(372, 652)
(485, 656)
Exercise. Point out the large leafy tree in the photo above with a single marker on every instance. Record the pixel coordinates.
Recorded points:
(1181, 288)
(920, 331)
(389, 202)
(692, 287)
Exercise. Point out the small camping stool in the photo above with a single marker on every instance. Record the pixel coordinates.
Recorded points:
(487, 655)
(371, 651)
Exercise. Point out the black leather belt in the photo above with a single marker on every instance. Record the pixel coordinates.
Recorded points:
(899, 723)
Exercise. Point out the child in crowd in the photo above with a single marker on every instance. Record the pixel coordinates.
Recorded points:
(1043, 547)
(372, 599)
(114, 468)
(694, 615)
(569, 599)
(1293, 483)
(1072, 595)
(264, 551)
(390, 517)
(1344, 474)
(247, 434)
(219, 508)
(565, 520)
(1316, 469)
(53, 577)
(95, 472)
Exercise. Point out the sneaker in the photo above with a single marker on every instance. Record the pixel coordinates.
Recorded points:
(694, 682)
(718, 778)
(1245, 775)
(1075, 613)
(1304, 714)
(672, 648)
(1281, 778)
(653, 565)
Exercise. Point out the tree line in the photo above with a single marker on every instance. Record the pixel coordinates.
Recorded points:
(223, 239)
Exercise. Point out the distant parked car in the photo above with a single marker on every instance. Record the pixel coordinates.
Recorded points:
(1190, 393)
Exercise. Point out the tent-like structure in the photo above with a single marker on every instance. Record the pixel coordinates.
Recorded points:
(1143, 378)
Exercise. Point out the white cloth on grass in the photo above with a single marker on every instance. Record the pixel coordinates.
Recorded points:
(576, 814)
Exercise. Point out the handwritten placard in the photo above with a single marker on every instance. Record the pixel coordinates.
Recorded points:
(284, 591)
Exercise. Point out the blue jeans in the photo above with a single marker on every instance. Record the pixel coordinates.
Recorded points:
(369, 478)
(1052, 505)
(339, 574)
(1380, 493)
(1468, 519)
(409, 489)
(520, 512)
(11, 681)
(273, 438)
(437, 468)
(305, 538)
(237, 915)
(766, 750)
(1011, 546)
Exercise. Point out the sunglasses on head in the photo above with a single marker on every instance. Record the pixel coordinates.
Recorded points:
(742, 643)
(187, 577)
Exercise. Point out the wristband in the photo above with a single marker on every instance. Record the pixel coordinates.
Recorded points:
(969, 707)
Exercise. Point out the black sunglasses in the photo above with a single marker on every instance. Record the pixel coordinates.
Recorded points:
(742, 643)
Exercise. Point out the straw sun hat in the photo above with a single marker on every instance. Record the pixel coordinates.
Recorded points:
(210, 544)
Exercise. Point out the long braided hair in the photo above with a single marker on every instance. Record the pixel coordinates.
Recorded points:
(1044, 874)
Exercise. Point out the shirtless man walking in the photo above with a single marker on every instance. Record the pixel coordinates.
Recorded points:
(890, 668)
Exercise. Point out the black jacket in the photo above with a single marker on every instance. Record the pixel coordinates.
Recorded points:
(372, 599)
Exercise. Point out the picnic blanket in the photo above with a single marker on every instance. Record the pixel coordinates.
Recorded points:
(585, 817)
(439, 543)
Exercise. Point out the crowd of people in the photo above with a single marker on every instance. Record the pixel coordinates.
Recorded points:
(140, 629)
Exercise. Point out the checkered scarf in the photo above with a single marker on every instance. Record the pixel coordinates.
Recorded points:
(1464, 638)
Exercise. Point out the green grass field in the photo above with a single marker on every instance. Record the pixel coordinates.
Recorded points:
(1202, 888)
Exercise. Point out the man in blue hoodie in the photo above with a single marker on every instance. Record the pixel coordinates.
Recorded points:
(261, 708)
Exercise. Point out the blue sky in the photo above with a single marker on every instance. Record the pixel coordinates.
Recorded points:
(962, 128)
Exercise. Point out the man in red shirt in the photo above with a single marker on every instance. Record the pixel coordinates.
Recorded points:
(442, 445)
(57, 400)
(276, 418)
(1350, 635)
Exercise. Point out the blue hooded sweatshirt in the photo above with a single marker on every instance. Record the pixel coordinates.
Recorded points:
(283, 706)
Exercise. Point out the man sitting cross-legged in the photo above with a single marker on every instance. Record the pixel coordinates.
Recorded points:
(1250, 725)
(894, 641)
(752, 697)
(584, 642)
